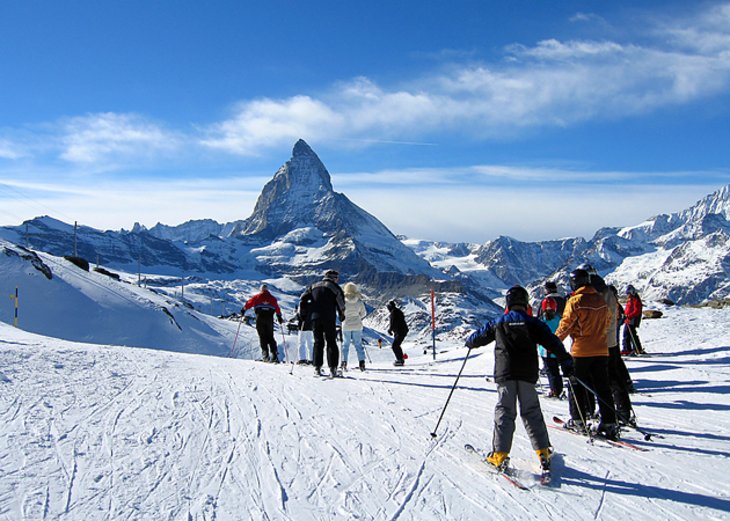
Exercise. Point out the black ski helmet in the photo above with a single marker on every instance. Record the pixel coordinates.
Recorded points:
(630, 290)
(391, 305)
(579, 278)
(517, 296)
(550, 286)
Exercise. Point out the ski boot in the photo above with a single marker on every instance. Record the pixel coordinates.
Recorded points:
(610, 431)
(318, 371)
(398, 363)
(498, 460)
(544, 455)
(362, 365)
(576, 426)
(343, 366)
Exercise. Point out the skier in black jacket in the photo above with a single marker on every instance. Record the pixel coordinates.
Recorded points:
(516, 372)
(399, 329)
(328, 302)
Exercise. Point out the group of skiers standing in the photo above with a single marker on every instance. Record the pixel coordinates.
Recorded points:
(319, 308)
(592, 316)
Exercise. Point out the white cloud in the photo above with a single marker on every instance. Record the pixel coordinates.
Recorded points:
(554, 83)
(10, 150)
(110, 137)
(269, 123)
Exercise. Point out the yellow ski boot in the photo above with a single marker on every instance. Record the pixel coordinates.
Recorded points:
(498, 459)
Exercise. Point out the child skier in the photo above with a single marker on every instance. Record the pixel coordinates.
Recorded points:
(516, 372)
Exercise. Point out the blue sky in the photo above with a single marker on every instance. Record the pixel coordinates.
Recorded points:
(457, 121)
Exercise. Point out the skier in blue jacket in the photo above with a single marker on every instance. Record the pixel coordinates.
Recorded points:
(516, 372)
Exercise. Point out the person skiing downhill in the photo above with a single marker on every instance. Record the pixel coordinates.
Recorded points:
(516, 335)
(328, 303)
(399, 329)
(265, 306)
(352, 325)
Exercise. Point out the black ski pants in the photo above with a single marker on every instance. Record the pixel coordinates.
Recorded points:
(325, 332)
(397, 351)
(593, 371)
(617, 381)
(265, 329)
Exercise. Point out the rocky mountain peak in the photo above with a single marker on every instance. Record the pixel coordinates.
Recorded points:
(292, 197)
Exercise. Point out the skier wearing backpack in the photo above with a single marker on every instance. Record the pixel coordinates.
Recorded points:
(399, 329)
(516, 372)
(328, 303)
(265, 306)
(551, 292)
(352, 325)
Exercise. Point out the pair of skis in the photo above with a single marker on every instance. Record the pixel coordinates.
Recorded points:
(507, 473)
(562, 425)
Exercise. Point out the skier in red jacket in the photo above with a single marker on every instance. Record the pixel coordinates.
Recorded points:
(632, 312)
(265, 306)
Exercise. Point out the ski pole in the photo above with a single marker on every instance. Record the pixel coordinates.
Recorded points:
(647, 435)
(286, 350)
(433, 434)
(236, 337)
(580, 412)
(635, 341)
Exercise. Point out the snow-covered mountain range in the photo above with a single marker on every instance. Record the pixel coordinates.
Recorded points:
(300, 227)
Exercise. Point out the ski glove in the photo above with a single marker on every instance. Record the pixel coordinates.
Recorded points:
(281, 320)
(567, 367)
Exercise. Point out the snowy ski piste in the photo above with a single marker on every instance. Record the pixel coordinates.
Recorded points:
(108, 432)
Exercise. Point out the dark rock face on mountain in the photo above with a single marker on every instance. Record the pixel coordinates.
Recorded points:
(308, 227)
(299, 228)
(683, 256)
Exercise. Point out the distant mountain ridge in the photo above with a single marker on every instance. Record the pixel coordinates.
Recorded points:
(300, 226)
(684, 256)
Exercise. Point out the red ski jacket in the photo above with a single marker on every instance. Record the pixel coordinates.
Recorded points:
(263, 301)
(633, 310)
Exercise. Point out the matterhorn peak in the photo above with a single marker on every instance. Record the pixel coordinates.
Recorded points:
(301, 148)
(294, 195)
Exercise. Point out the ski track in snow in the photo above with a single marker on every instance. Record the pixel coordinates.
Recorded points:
(97, 432)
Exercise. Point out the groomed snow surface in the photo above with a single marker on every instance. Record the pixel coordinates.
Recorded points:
(102, 432)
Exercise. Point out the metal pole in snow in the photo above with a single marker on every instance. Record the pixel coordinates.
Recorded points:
(15, 319)
(433, 321)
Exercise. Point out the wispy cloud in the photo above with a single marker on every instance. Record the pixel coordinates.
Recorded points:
(553, 83)
(514, 175)
(112, 137)
(10, 150)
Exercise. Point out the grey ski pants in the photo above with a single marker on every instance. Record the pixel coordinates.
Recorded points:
(505, 414)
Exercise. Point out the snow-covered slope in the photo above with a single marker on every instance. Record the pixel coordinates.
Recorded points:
(59, 299)
(101, 432)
